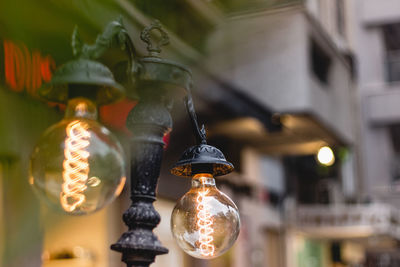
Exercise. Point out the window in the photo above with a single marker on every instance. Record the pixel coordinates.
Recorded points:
(320, 62)
(391, 35)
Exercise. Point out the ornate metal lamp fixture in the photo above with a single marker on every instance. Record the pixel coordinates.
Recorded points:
(83, 82)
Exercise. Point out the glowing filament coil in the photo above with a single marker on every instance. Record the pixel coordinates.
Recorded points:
(76, 165)
(204, 223)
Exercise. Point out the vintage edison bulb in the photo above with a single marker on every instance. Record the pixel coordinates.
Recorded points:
(205, 222)
(78, 165)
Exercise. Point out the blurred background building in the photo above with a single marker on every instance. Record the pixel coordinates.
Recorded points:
(276, 80)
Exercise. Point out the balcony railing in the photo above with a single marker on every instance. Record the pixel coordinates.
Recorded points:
(349, 220)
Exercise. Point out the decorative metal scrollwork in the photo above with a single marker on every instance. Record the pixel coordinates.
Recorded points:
(114, 34)
(154, 48)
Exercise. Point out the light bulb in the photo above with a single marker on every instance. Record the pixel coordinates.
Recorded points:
(325, 156)
(205, 222)
(78, 165)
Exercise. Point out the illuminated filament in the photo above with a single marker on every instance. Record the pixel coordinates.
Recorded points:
(204, 223)
(76, 166)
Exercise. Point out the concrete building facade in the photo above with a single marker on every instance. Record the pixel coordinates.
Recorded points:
(374, 42)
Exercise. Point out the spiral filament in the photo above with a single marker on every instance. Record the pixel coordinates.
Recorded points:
(76, 165)
(204, 223)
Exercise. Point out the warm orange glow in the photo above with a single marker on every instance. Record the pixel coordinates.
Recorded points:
(25, 70)
(204, 222)
(76, 165)
(120, 186)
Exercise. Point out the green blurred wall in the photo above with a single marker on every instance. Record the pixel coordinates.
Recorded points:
(22, 120)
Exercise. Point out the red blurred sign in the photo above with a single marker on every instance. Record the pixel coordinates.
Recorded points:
(26, 70)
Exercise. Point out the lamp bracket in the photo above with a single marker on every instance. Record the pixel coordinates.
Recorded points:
(113, 35)
(199, 133)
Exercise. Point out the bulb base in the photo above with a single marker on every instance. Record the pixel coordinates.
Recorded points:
(202, 158)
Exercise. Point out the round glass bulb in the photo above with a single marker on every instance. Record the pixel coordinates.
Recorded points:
(325, 156)
(205, 222)
(78, 165)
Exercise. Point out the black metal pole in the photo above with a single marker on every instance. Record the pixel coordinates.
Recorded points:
(149, 121)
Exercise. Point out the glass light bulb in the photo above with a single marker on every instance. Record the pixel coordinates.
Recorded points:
(205, 222)
(78, 165)
(325, 156)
